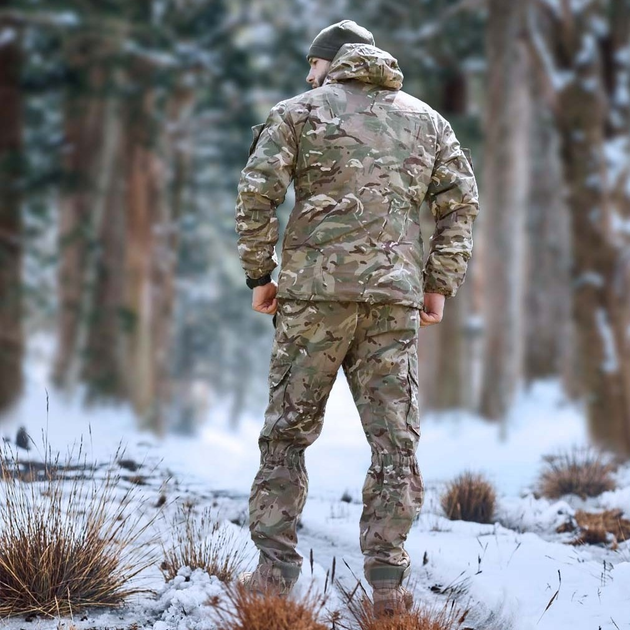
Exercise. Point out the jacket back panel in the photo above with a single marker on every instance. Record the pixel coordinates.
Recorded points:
(364, 163)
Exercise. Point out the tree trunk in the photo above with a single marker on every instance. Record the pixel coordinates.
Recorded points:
(506, 188)
(142, 170)
(11, 123)
(452, 383)
(548, 305)
(152, 241)
(89, 124)
(594, 133)
(617, 78)
(104, 360)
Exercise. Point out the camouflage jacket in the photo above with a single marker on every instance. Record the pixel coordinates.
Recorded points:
(363, 156)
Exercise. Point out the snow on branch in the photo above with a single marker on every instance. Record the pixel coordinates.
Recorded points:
(39, 18)
(7, 36)
(551, 81)
(610, 363)
(433, 29)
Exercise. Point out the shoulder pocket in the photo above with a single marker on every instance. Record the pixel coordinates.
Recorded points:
(256, 131)
(468, 155)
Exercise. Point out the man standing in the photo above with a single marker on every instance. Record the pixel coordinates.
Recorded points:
(352, 290)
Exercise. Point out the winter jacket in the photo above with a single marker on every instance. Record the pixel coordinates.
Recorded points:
(363, 156)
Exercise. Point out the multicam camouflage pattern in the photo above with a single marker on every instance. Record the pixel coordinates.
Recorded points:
(363, 155)
(376, 345)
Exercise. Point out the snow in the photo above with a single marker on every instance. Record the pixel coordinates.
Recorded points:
(554, 5)
(590, 85)
(588, 50)
(559, 78)
(182, 603)
(65, 18)
(577, 6)
(619, 224)
(595, 215)
(622, 56)
(509, 570)
(616, 154)
(7, 35)
(594, 181)
(610, 363)
(589, 277)
(158, 57)
(622, 93)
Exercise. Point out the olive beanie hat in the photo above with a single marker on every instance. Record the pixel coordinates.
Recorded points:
(327, 44)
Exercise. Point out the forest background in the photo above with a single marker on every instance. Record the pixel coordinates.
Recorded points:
(123, 130)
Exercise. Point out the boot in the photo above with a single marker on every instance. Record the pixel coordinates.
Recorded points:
(261, 584)
(391, 601)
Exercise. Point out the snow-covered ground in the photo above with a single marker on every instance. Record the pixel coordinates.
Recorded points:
(509, 571)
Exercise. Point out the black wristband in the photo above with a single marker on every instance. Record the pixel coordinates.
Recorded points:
(251, 283)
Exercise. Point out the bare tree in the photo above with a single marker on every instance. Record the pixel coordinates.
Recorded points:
(549, 331)
(11, 123)
(92, 137)
(506, 172)
(583, 64)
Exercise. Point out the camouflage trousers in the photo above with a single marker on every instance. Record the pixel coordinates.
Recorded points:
(376, 345)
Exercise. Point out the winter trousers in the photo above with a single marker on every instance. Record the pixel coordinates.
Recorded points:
(377, 347)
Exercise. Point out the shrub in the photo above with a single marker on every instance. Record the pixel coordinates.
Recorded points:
(470, 497)
(65, 541)
(598, 528)
(584, 472)
(249, 611)
(205, 543)
(361, 612)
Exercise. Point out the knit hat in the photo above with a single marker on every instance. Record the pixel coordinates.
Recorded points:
(327, 44)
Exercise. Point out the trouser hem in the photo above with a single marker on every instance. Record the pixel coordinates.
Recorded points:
(287, 572)
(387, 577)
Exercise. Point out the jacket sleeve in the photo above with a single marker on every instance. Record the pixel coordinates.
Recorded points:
(454, 202)
(262, 187)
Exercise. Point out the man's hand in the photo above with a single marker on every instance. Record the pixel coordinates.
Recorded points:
(264, 298)
(433, 309)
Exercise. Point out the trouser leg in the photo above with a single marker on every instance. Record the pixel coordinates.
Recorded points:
(310, 341)
(381, 367)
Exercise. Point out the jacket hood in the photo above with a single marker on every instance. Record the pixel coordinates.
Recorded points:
(369, 64)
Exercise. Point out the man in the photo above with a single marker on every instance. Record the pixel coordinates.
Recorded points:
(352, 291)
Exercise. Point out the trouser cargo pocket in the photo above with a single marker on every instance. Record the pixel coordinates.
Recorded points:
(278, 379)
(413, 409)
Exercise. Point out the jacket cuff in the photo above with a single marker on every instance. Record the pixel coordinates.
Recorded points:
(430, 287)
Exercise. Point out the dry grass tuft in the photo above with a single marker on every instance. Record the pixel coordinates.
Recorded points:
(581, 471)
(599, 528)
(65, 543)
(248, 611)
(470, 497)
(361, 611)
(205, 543)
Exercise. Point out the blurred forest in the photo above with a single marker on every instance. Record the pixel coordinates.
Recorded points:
(123, 130)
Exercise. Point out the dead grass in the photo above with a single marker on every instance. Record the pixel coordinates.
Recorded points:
(584, 472)
(360, 609)
(203, 543)
(66, 544)
(599, 527)
(470, 497)
(248, 611)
